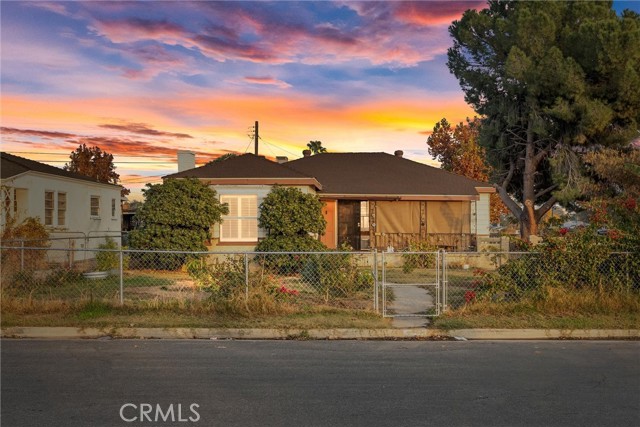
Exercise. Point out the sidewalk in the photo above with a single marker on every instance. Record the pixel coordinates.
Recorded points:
(318, 334)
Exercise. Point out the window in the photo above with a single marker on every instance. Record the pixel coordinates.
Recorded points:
(113, 208)
(48, 208)
(241, 224)
(62, 208)
(95, 206)
(364, 216)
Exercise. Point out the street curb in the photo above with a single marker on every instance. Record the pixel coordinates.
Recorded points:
(317, 334)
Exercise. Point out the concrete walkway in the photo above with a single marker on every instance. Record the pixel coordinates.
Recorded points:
(410, 299)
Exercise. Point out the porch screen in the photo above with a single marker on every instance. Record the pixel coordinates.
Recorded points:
(448, 217)
(398, 217)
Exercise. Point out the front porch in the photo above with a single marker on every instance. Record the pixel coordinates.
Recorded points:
(393, 224)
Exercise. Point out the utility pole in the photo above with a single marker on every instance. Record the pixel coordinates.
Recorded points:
(255, 137)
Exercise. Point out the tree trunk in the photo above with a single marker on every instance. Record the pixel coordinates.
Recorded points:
(528, 221)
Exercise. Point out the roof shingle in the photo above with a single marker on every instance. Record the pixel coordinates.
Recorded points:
(381, 174)
(14, 165)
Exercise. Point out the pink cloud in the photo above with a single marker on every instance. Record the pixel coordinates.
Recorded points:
(143, 129)
(267, 81)
(36, 133)
(433, 13)
(136, 29)
(388, 34)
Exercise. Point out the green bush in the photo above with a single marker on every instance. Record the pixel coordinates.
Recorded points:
(576, 260)
(287, 263)
(222, 278)
(336, 275)
(289, 216)
(110, 259)
(423, 260)
(177, 215)
(287, 211)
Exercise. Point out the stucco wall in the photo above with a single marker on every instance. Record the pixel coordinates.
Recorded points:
(31, 203)
(261, 192)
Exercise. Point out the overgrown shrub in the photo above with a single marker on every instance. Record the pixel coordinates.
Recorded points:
(221, 278)
(411, 261)
(110, 258)
(287, 263)
(177, 215)
(336, 275)
(576, 260)
(290, 217)
(30, 233)
(226, 281)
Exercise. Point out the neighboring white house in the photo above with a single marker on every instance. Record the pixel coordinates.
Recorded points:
(68, 204)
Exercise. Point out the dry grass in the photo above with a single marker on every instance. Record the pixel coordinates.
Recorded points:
(558, 308)
(260, 311)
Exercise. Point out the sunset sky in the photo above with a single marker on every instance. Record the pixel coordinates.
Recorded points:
(143, 80)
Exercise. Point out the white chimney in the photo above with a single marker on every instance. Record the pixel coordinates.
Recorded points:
(282, 159)
(186, 160)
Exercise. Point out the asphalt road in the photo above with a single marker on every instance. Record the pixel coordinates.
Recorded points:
(320, 383)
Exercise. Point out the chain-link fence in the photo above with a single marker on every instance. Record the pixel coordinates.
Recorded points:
(304, 279)
(515, 276)
(394, 284)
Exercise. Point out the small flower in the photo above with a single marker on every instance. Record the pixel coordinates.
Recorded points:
(630, 203)
(614, 234)
(469, 296)
(563, 231)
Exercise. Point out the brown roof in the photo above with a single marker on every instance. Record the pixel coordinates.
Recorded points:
(244, 166)
(381, 174)
(14, 165)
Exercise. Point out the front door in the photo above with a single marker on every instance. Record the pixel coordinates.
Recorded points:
(349, 223)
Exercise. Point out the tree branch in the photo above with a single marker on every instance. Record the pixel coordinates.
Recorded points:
(545, 191)
(508, 201)
(541, 155)
(507, 179)
(545, 208)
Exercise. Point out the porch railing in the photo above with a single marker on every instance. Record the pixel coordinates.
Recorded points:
(458, 242)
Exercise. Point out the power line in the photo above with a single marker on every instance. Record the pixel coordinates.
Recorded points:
(283, 149)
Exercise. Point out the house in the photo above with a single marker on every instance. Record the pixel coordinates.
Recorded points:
(74, 208)
(371, 200)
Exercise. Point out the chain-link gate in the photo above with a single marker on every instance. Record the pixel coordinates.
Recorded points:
(412, 284)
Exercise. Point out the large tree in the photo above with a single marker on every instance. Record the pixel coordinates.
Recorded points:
(550, 80)
(96, 164)
(458, 151)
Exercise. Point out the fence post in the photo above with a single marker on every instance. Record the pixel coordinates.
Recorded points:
(22, 255)
(375, 280)
(445, 281)
(246, 277)
(121, 277)
(384, 280)
(70, 256)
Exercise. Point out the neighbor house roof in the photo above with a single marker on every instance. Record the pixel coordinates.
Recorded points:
(382, 174)
(247, 169)
(14, 165)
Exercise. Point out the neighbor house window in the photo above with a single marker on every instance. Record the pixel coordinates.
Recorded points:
(48, 208)
(95, 206)
(241, 224)
(113, 208)
(62, 208)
